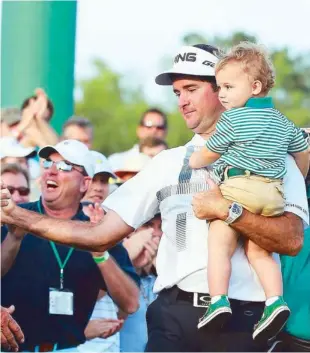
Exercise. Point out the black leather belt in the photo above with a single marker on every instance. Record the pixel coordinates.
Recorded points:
(197, 299)
(189, 296)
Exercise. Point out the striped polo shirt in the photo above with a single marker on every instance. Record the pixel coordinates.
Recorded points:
(256, 137)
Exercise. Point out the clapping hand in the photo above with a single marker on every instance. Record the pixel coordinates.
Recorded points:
(95, 213)
(102, 328)
(7, 205)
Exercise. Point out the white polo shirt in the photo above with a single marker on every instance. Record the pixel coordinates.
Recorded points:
(167, 185)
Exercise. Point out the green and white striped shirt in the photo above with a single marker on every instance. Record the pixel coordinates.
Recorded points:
(256, 137)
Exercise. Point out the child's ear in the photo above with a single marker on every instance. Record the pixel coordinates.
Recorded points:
(256, 87)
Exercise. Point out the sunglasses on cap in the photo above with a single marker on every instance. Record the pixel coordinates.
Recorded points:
(60, 165)
(149, 124)
(22, 190)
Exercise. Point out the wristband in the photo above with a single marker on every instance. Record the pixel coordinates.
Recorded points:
(101, 259)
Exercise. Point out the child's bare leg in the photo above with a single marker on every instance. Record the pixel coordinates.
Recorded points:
(266, 268)
(222, 242)
(276, 311)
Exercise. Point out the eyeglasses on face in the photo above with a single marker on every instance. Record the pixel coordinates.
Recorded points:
(150, 125)
(60, 165)
(22, 190)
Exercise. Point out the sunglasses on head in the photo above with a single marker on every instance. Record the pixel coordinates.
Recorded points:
(23, 191)
(149, 125)
(60, 165)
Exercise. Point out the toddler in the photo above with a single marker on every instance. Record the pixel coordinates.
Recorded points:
(249, 149)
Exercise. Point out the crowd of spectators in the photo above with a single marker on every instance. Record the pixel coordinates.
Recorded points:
(104, 318)
(66, 299)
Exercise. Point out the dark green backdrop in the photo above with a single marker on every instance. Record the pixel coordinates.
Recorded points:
(38, 50)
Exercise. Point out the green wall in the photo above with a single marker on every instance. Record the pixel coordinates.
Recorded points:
(38, 50)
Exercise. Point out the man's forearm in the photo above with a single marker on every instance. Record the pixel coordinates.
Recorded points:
(122, 289)
(82, 235)
(49, 135)
(9, 250)
(282, 234)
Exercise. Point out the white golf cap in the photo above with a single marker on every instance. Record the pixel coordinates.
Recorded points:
(190, 61)
(133, 164)
(72, 151)
(10, 147)
(101, 164)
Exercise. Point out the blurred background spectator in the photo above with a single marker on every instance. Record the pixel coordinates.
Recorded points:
(13, 152)
(99, 187)
(151, 146)
(132, 165)
(80, 129)
(17, 181)
(153, 123)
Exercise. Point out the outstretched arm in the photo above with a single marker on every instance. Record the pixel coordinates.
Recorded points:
(82, 235)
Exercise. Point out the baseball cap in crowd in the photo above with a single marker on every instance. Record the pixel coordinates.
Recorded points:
(10, 147)
(133, 164)
(192, 61)
(72, 151)
(11, 116)
(101, 164)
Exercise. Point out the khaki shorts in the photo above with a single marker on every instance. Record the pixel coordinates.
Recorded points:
(257, 194)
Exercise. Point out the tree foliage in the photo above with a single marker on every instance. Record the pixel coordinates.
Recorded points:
(115, 108)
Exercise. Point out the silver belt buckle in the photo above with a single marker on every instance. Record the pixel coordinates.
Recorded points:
(201, 300)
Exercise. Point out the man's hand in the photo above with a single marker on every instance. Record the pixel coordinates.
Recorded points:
(210, 204)
(41, 103)
(95, 214)
(135, 243)
(7, 205)
(148, 254)
(28, 115)
(11, 333)
(102, 328)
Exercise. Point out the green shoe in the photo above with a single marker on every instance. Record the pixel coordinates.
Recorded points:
(217, 314)
(272, 321)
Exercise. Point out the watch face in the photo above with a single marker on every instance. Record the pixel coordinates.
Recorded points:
(236, 209)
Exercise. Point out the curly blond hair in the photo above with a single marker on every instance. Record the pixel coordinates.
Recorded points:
(255, 60)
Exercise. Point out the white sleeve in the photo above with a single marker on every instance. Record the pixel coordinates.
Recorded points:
(136, 201)
(295, 191)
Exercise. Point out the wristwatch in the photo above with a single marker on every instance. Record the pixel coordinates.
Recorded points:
(235, 211)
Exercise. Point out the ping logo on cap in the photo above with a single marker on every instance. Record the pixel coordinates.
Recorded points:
(208, 63)
(185, 57)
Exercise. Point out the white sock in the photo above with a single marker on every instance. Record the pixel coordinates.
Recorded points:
(215, 298)
(271, 300)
